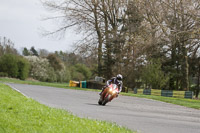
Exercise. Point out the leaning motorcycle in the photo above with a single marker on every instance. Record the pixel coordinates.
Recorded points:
(108, 94)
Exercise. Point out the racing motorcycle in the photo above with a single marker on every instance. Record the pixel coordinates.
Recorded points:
(108, 94)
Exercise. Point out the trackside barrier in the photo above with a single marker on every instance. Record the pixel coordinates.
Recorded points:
(81, 84)
(147, 91)
(73, 83)
(165, 93)
(189, 94)
(91, 84)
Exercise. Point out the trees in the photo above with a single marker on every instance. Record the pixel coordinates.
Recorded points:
(198, 82)
(78, 66)
(25, 52)
(85, 16)
(11, 64)
(81, 68)
(43, 53)
(8, 64)
(49, 69)
(74, 13)
(40, 69)
(176, 22)
(55, 62)
(23, 68)
(7, 46)
(126, 35)
(195, 73)
(104, 21)
(33, 51)
(62, 73)
(154, 76)
(14, 66)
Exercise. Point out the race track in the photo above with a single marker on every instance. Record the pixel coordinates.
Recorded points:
(142, 115)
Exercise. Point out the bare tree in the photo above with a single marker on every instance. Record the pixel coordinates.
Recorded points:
(177, 23)
(85, 16)
(96, 19)
(7, 46)
(43, 53)
(124, 34)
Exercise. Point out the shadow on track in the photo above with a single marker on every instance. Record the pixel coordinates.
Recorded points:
(93, 104)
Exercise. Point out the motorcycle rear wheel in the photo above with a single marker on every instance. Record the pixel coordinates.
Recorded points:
(106, 100)
(100, 102)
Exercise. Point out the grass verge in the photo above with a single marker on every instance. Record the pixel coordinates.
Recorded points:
(191, 103)
(31, 82)
(19, 114)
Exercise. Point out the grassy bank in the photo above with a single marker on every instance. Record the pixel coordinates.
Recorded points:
(19, 114)
(191, 103)
(32, 82)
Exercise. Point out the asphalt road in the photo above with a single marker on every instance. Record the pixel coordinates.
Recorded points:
(142, 115)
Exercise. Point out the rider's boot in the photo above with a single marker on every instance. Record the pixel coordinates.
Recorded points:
(100, 93)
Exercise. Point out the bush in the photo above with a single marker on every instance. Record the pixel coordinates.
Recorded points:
(14, 66)
(55, 62)
(83, 70)
(154, 76)
(42, 69)
(3, 74)
(63, 75)
(75, 75)
(67, 75)
(8, 64)
(51, 75)
(23, 68)
(39, 68)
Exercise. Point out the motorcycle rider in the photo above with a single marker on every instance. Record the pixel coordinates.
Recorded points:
(114, 80)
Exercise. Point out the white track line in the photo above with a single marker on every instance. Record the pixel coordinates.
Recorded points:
(17, 90)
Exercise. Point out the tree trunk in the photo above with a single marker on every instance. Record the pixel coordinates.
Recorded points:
(100, 41)
(185, 81)
(198, 83)
(108, 61)
(185, 66)
(173, 62)
(198, 87)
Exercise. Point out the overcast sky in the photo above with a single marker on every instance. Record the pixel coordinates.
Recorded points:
(21, 22)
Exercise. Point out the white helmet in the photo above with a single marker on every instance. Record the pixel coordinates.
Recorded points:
(119, 77)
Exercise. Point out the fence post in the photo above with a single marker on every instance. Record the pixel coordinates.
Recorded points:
(135, 90)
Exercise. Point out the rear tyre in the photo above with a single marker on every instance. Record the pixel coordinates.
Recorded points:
(100, 102)
(106, 100)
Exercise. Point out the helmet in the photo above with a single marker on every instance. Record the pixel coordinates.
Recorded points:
(119, 77)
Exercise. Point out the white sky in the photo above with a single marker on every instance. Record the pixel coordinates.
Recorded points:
(21, 22)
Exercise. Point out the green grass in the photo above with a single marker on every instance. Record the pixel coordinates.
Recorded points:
(19, 114)
(31, 82)
(191, 103)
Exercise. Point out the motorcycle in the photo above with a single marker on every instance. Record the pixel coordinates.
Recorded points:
(108, 94)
